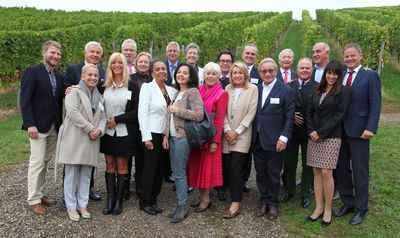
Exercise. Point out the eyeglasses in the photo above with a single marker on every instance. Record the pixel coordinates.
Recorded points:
(225, 61)
(270, 71)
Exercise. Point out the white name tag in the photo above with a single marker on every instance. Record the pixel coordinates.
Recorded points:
(128, 95)
(254, 80)
(101, 107)
(274, 100)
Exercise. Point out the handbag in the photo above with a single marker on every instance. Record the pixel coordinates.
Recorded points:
(199, 133)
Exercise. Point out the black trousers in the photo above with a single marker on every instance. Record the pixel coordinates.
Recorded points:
(268, 164)
(139, 162)
(355, 150)
(226, 171)
(237, 160)
(247, 167)
(154, 163)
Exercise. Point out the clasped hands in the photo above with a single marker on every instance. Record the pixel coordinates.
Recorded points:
(231, 136)
(94, 134)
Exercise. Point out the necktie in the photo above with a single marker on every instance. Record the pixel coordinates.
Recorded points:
(285, 78)
(130, 71)
(301, 92)
(173, 67)
(348, 82)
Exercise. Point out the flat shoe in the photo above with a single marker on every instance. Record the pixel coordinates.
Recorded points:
(312, 219)
(75, 217)
(85, 214)
(229, 215)
(194, 204)
(325, 223)
(202, 209)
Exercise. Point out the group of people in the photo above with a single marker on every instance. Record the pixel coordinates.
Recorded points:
(138, 109)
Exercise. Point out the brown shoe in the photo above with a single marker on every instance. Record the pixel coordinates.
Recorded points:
(47, 201)
(38, 209)
(272, 213)
(262, 210)
(229, 215)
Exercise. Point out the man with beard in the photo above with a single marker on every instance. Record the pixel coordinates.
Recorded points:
(41, 100)
(129, 50)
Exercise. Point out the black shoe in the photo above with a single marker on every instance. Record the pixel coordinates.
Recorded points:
(110, 185)
(358, 218)
(312, 219)
(286, 197)
(94, 196)
(325, 223)
(305, 202)
(190, 189)
(343, 211)
(121, 183)
(156, 208)
(149, 210)
(63, 200)
(221, 195)
(169, 179)
(173, 189)
(246, 187)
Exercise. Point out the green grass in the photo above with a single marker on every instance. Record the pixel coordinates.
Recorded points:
(390, 84)
(383, 219)
(8, 100)
(14, 142)
(291, 40)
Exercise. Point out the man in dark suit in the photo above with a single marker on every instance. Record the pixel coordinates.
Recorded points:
(225, 59)
(304, 88)
(93, 52)
(172, 51)
(272, 128)
(320, 55)
(285, 74)
(359, 126)
(249, 56)
(129, 49)
(41, 102)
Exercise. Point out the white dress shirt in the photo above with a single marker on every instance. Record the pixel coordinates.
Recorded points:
(354, 75)
(115, 104)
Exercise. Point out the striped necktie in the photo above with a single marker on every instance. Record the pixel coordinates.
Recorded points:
(349, 79)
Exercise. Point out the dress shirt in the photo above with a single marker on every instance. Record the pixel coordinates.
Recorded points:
(354, 75)
(289, 74)
(318, 73)
(115, 104)
(265, 94)
(172, 71)
(52, 78)
(132, 67)
(305, 82)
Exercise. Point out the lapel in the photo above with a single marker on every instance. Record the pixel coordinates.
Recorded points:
(45, 76)
(157, 90)
(358, 77)
(86, 105)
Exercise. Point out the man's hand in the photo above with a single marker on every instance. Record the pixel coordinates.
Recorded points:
(33, 132)
(68, 90)
(280, 146)
(367, 135)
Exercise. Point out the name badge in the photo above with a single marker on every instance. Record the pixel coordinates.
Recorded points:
(128, 95)
(274, 100)
(254, 80)
(101, 107)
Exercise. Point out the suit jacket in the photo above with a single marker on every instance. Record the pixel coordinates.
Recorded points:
(39, 107)
(365, 104)
(308, 91)
(170, 80)
(153, 109)
(74, 145)
(293, 75)
(255, 75)
(326, 118)
(274, 120)
(225, 82)
(245, 112)
(73, 73)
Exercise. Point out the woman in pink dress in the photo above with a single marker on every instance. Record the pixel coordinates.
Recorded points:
(204, 169)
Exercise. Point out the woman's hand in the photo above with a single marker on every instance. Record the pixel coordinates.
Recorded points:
(231, 136)
(165, 143)
(315, 137)
(94, 134)
(149, 145)
(68, 90)
(111, 123)
(173, 109)
(212, 147)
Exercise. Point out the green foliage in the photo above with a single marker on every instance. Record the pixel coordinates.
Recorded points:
(311, 33)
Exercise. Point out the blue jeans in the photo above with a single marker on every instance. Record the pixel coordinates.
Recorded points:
(179, 151)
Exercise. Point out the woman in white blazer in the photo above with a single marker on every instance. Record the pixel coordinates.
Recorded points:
(154, 99)
(78, 142)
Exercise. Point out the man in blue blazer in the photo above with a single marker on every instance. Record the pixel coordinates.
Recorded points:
(360, 125)
(172, 51)
(93, 52)
(272, 128)
(41, 101)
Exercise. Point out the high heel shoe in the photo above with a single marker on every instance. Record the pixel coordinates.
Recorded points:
(314, 219)
(202, 209)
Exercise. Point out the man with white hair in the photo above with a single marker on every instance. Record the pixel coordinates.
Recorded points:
(172, 51)
(129, 49)
(285, 74)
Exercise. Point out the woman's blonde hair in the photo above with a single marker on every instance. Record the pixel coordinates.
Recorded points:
(109, 74)
(87, 66)
(242, 66)
(143, 54)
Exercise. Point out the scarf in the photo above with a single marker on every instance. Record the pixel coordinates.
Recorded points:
(93, 96)
(209, 96)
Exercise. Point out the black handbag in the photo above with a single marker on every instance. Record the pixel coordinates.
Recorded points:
(199, 133)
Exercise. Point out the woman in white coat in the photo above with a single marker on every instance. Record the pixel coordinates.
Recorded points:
(79, 140)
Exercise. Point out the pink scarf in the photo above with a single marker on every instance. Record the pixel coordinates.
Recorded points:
(210, 96)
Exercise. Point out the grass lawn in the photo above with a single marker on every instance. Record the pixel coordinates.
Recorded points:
(8, 100)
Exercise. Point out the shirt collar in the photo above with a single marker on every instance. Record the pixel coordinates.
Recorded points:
(121, 85)
(318, 68)
(283, 71)
(270, 85)
(170, 63)
(48, 69)
(250, 67)
(355, 70)
(305, 82)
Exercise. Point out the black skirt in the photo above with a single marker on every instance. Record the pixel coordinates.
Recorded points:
(124, 146)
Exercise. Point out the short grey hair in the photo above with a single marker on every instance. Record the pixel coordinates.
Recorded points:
(251, 45)
(172, 43)
(268, 60)
(288, 50)
(353, 45)
(192, 45)
(325, 44)
(211, 66)
(305, 59)
(128, 41)
(95, 43)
